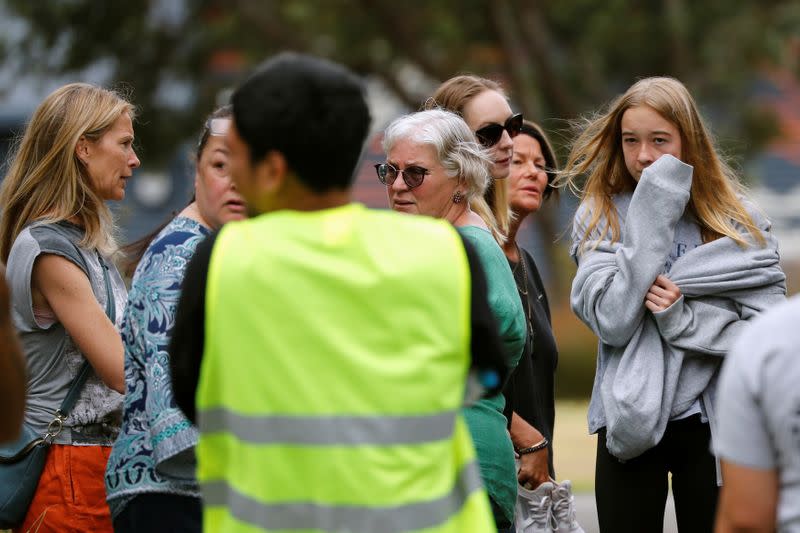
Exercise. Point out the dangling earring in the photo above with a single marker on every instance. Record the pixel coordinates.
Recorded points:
(457, 197)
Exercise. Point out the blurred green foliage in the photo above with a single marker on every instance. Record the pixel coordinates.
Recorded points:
(558, 59)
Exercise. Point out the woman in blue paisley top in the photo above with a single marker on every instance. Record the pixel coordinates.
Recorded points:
(150, 475)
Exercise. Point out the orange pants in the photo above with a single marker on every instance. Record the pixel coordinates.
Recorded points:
(71, 494)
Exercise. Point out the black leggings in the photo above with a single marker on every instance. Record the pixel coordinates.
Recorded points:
(155, 512)
(631, 495)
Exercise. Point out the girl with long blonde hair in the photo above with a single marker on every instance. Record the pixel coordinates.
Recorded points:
(56, 235)
(672, 262)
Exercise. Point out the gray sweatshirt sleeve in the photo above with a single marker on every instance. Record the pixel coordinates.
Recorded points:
(746, 281)
(710, 324)
(704, 325)
(611, 283)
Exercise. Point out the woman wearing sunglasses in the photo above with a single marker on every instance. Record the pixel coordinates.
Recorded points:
(149, 478)
(484, 107)
(530, 410)
(434, 167)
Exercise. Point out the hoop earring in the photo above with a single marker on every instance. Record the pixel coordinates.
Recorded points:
(458, 197)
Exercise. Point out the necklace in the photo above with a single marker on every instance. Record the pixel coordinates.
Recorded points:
(523, 290)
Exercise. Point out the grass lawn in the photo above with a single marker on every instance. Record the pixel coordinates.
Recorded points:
(574, 448)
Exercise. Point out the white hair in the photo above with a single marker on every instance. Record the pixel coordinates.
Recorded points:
(453, 142)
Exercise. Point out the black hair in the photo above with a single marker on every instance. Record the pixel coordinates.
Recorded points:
(310, 110)
(225, 111)
(532, 129)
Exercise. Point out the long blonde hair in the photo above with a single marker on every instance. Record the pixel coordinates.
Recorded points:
(597, 156)
(453, 95)
(46, 181)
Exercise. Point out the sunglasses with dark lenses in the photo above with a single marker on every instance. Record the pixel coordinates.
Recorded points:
(490, 135)
(413, 176)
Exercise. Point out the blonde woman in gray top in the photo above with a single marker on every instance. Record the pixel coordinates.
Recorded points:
(56, 239)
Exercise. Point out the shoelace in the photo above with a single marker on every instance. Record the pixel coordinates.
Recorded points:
(562, 507)
(541, 515)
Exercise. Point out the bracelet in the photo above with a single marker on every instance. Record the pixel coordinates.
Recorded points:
(535, 448)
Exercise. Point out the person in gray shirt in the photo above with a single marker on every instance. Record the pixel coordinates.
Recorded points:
(758, 440)
(67, 298)
(672, 263)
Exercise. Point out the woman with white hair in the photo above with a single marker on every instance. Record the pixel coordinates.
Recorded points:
(442, 168)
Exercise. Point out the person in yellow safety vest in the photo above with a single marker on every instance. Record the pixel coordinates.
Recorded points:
(323, 348)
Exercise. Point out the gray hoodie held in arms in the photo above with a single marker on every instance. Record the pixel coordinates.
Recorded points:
(654, 366)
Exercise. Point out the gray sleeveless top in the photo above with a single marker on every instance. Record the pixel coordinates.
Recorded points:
(96, 417)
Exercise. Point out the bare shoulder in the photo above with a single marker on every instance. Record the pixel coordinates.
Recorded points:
(55, 277)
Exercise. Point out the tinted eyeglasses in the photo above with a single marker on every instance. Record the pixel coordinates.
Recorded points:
(490, 135)
(413, 176)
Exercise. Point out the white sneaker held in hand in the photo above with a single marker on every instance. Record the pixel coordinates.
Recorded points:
(563, 508)
(533, 510)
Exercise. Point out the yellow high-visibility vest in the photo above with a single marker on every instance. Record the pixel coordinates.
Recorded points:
(336, 356)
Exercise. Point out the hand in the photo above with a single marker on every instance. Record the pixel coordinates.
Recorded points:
(662, 294)
(533, 468)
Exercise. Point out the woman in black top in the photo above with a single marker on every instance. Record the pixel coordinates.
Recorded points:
(530, 391)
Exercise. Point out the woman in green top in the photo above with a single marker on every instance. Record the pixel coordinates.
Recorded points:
(443, 169)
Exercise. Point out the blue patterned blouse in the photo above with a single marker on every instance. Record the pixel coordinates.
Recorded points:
(154, 452)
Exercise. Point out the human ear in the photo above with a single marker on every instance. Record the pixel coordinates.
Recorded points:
(82, 149)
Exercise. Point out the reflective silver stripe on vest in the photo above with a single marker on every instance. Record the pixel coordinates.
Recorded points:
(329, 430)
(351, 518)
